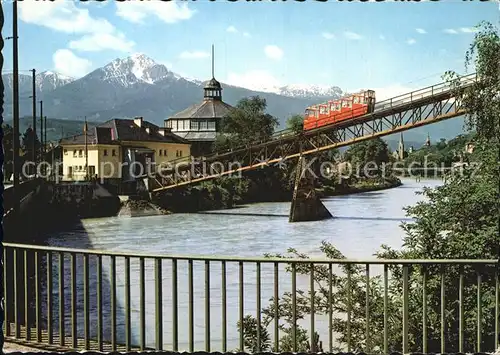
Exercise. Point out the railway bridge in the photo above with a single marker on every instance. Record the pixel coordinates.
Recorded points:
(414, 109)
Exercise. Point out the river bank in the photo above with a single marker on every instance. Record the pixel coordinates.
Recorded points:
(225, 194)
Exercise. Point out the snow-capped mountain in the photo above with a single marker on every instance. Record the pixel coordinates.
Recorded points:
(139, 86)
(136, 69)
(44, 82)
(309, 91)
(49, 80)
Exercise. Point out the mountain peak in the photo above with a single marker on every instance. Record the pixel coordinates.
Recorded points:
(133, 69)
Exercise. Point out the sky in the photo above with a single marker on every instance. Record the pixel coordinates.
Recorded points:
(391, 46)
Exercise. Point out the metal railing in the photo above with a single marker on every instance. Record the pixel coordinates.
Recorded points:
(109, 301)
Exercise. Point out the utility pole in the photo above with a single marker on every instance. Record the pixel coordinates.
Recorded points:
(34, 116)
(86, 151)
(45, 134)
(41, 130)
(15, 100)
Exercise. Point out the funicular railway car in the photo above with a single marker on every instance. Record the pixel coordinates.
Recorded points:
(335, 111)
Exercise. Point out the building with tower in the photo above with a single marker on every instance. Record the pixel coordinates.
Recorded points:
(400, 154)
(428, 141)
(200, 123)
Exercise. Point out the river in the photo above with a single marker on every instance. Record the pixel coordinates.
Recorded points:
(362, 223)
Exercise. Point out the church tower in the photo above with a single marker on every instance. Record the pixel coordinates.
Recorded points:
(401, 148)
(428, 141)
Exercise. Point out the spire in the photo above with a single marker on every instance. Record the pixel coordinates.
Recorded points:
(428, 141)
(401, 148)
(213, 89)
(213, 59)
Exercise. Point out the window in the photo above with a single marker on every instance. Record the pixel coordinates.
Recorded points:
(356, 100)
(211, 125)
(74, 153)
(180, 153)
(65, 152)
(195, 126)
(80, 153)
(114, 152)
(164, 152)
(105, 152)
(203, 125)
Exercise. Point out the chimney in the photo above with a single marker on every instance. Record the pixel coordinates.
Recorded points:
(148, 131)
(138, 121)
(164, 131)
(112, 133)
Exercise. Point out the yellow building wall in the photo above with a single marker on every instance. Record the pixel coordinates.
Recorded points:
(110, 159)
(99, 162)
(174, 150)
(105, 161)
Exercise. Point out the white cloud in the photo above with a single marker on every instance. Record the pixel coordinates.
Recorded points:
(168, 12)
(67, 63)
(352, 35)
(382, 37)
(65, 16)
(328, 35)
(246, 34)
(468, 30)
(273, 52)
(97, 42)
(451, 31)
(232, 29)
(62, 16)
(254, 80)
(411, 41)
(421, 31)
(194, 55)
(390, 91)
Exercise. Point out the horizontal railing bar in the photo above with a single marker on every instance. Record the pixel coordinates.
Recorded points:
(254, 260)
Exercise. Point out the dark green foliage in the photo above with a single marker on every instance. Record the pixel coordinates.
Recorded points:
(27, 144)
(295, 123)
(372, 150)
(442, 154)
(247, 123)
(457, 220)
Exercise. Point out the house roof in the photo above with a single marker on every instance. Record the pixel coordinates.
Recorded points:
(208, 136)
(119, 129)
(204, 109)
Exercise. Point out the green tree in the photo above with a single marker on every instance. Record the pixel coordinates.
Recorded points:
(295, 123)
(27, 144)
(248, 122)
(456, 220)
(372, 152)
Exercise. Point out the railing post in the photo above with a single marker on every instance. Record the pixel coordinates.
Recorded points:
(405, 309)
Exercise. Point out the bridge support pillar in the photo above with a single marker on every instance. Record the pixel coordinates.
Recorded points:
(306, 205)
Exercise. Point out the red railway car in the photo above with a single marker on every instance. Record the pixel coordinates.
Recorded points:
(335, 111)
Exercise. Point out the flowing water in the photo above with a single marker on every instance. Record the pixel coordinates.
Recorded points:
(362, 223)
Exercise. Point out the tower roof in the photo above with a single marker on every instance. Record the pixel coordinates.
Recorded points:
(213, 84)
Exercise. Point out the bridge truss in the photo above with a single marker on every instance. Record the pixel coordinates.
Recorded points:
(415, 109)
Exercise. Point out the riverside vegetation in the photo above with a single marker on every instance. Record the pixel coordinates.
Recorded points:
(457, 220)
